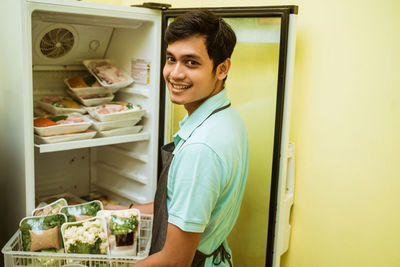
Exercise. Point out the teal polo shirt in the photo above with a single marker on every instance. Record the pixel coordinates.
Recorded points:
(207, 176)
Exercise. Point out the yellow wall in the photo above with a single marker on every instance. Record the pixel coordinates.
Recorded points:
(346, 126)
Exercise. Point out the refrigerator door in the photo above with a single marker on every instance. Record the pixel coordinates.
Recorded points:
(259, 87)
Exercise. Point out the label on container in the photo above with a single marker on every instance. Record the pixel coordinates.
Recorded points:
(140, 71)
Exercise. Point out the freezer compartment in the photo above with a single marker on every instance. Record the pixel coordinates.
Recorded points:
(15, 256)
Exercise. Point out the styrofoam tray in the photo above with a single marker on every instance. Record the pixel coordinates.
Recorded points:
(103, 226)
(109, 125)
(123, 115)
(121, 131)
(115, 86)
(57, 110)
(87, 90)
(92, 101)
(64, 128)
(64, 137)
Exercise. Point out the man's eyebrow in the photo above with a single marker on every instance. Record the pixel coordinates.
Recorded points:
(194, 56)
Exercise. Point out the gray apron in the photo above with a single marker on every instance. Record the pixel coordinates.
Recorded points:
(160, 219)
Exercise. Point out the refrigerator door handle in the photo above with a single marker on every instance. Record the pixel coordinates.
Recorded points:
(287, 200)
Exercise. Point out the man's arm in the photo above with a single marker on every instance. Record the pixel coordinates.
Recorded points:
(178, 250)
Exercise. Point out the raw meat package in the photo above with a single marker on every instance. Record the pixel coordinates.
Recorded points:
(116, 111)
(42, 233)
(107, 74)
(86, 237)
(85, 85)
(64, 137)
(61, 124)
(83, 211)
(58, 105)
(123, 227)
(120, 131)
(52, 208)
(92, 99)
(109, 125)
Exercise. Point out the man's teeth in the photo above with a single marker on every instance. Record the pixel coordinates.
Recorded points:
(180, 86)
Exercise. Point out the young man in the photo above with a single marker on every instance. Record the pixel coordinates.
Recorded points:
(203, 178)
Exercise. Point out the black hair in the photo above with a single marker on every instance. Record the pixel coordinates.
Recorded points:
(220, 39)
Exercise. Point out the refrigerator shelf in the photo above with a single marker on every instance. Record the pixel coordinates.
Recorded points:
(43, 148)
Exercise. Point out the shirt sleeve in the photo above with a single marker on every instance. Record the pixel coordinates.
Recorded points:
(195, 183)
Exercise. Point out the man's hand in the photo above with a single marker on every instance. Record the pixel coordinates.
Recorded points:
(178, 251)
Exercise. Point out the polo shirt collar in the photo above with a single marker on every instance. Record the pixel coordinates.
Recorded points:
(190, 123)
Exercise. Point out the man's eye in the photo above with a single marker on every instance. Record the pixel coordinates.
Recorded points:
(191, 63)
(170, 59)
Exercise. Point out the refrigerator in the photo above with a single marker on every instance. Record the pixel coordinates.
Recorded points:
(125, 167)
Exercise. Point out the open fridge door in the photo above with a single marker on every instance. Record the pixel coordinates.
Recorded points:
(259, 86)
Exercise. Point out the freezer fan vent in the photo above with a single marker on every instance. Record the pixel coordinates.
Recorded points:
(57, 43)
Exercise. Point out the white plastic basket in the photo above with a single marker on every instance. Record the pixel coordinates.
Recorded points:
(15, 256)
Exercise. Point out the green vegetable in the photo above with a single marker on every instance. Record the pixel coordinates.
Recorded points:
(85, 248)
(122, 225)
(90, 209)
(58, 118)
(89, 80)
(39, 223)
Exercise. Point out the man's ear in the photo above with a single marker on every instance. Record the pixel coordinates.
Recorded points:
(223, 69)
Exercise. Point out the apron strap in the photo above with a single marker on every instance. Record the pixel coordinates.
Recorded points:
(200, 257)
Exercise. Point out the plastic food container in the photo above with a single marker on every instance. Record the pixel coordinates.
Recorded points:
(109, 125)
(108, 96)
(121, 131)
(86, 237)
(82, 211)
(123, 115)
(59, 110)
(125, 78)
(64, 128)
(52, 208)
(38, 232)
(64, 137)
(123, 227)
(86, 90)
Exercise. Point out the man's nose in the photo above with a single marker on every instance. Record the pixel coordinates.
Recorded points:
(177, 72)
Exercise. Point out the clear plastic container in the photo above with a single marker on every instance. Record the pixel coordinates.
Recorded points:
(61, 129)
(121, 131)
(126, 79)
(123, 115)
(64, 137)
(88, 102)
(109, 125)
(59, 110)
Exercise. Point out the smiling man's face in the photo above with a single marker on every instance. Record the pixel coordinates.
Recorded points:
(188, 73)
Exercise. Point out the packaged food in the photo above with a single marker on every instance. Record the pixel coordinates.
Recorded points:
(109, 125)
(61, 124)
(121, 131)
(107, 74)
(116, 111)
(123, 226)
(52, 208)
(92, 99)
(59, 105)
(83, 211)
(70, 198)
(105, 200)
(42, 233)
(64, 137)
(86, 237)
